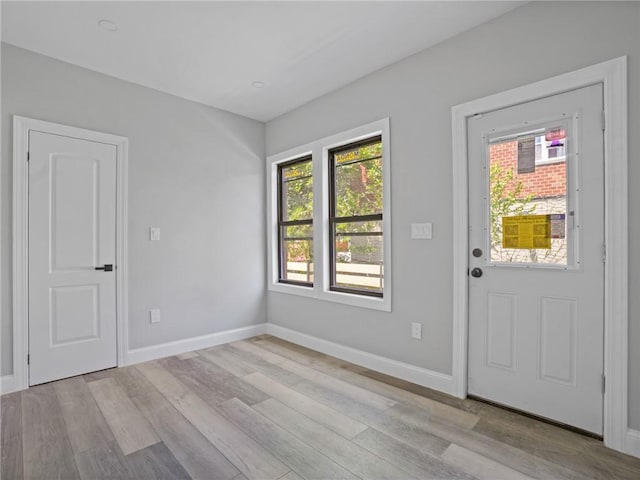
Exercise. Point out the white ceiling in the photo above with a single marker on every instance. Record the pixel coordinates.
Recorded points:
(211, 52)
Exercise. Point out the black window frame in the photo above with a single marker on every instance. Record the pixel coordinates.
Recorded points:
(335, 220)
(283, 224)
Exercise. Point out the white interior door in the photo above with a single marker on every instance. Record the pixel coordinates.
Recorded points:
(536, 284)
(72, 232)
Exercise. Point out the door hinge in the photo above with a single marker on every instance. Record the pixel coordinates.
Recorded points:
(604, 121)
(28, 155)
(28, 359)
(604, 383)
(604, 252)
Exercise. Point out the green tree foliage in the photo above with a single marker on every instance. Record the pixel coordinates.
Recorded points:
(297, 198)
(358, 192)
(505, 194)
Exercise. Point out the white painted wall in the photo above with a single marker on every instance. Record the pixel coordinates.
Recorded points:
(534, 42)
(194, 171)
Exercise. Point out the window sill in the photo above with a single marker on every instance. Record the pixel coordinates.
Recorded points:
(354, 300)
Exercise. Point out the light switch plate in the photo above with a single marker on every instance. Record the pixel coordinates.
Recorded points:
(154, 315)
(154, 234)
(422, 231)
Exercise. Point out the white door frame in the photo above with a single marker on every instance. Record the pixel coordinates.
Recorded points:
(21, 128)
(613, 75)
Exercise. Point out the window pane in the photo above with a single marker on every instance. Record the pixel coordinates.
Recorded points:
(298, 232)
(359, 255)
(358, 181)
(296, 204)
(530, 207)
(370, 226)
(298, 260)
(297, 192)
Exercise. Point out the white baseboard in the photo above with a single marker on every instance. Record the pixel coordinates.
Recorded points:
(411, 373)
(7, 384)
(633, 442)
(162, 350)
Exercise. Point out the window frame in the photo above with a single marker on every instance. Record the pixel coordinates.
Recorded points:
(334, 220)
(319, 151)
(283, 224)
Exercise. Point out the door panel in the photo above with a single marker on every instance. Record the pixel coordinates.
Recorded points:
(558, 338)
(72, 215)
(74, 314)
(73, 211)
(536, 210)
(501, 331)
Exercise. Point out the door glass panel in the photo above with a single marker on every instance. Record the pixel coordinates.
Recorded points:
(527, 200)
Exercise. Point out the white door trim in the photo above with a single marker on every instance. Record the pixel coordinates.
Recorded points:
(613, 75)
(21, 128)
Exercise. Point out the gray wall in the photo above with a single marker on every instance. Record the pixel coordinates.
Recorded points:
(194, 171)
(536, 41)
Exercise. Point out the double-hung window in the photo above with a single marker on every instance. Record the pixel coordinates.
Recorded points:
(355, 218)
(295, 222)
(329, 218)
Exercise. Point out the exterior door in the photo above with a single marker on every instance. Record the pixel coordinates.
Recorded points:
(536, 238)
(72, 248)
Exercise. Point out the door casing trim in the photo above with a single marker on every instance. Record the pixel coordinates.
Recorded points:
(613, 75)
(20, 295)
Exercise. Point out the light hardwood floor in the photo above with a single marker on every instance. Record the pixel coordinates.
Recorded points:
(267, 409)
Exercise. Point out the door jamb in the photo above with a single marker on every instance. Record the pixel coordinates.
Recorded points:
(21, 128)
(613, 75)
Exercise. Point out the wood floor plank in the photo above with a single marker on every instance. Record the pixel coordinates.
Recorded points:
(211, 382)
(195, 453)
(330, 418)
(187, 355)
(444, 412)
(222, 358)
(132, 382)
(571, 453)
(354, 458)
(156, 462)
(291, 351)
(417, 436)
(300, 457)
(292, 476)
(103, 462)
(249, 457)
(11, 463)
(251, 347)
(257, 364)
(285, 350)
(416, 462)
(326, 381)
(503, 453)
(99, 375)
(46, 447)
(481, 467)
(86, 426)
(130, 429)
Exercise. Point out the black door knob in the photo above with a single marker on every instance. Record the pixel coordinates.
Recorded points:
(476, 272)
(106, 268)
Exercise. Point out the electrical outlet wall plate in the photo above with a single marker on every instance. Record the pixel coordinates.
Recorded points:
(416, 330)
